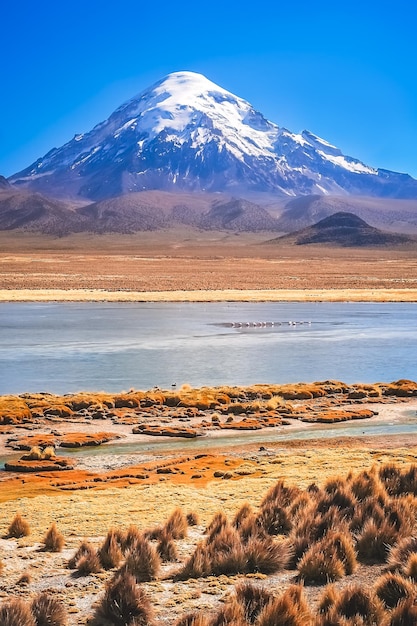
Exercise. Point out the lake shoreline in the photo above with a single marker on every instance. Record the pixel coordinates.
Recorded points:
(217, 295)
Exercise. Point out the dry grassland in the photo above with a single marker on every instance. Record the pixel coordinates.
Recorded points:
(160, 263)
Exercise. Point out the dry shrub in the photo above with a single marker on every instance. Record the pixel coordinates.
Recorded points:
(192, 518)
(16, 612)
(154, 534)
(193, 619)
(48, 611)
(243, 513)
(249, 528)
(198, 564)
(219, 520)
(400, 553)
(25, 579)
(167, 549)
(227, 554)
(54, 540)
(124, 603)
(341, 499)
(356, 602)
(84, 548)
(405, 614)
(318, 568)
(390, 476)
(302, 502)
(34, 454)
(374, 541)
(226, 559)
(342, 544)
(48, 453)
(176, 525)
(266, 555)
(312, 527)
(229, 615)
(132, 535)
(19, 527)
(410, 569)
(280, 495)
(392, 589)
(369, 509)
(408, 481)
(110, 553)
(327, 599)
(284, 610)
(274, 519)
(400, 513)
(142, 561)
(253, 598)
(89, 564)
(367, 485)
(296, 594)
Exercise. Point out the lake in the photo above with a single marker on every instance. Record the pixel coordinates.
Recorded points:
(66, 347)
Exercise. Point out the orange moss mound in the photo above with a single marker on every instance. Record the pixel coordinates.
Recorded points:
(330, 417)
(39, 465)
(14, 410)
(166, 431)
(68, 440)
(199, 469)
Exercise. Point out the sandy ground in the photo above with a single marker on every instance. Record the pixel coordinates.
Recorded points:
(225, 295)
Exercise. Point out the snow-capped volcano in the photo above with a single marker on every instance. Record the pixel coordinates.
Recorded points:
(187, 133)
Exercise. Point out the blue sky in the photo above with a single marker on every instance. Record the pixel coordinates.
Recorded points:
(345, 71)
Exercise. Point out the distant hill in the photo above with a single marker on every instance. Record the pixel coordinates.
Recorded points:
(4, 183)
(385, 213)
(344, 229)
(135, 212)
(25, 210)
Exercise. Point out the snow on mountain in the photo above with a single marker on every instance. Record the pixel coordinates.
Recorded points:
(187, 133)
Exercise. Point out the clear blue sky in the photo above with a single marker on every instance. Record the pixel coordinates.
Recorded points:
(346, 71)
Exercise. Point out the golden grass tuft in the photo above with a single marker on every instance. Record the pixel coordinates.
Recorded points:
(54, 540)
(16, 612)
(19, 527)
(142, 561)
(48, 611)
(110, 553)
(176, 525)
(124, 603)
(391, 589)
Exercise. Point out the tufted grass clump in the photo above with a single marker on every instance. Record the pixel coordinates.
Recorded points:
(124, 603)
(54, 540)
(110, 553)
(176, 525)
(48, 611)
(19, 527)
(142, 561)
(16, 612)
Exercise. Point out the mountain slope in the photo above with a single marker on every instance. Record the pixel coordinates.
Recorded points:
(186, 133)
(345, 230)
(4, 183)
(30, 211)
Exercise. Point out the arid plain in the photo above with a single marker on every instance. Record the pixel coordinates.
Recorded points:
(202, 262)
